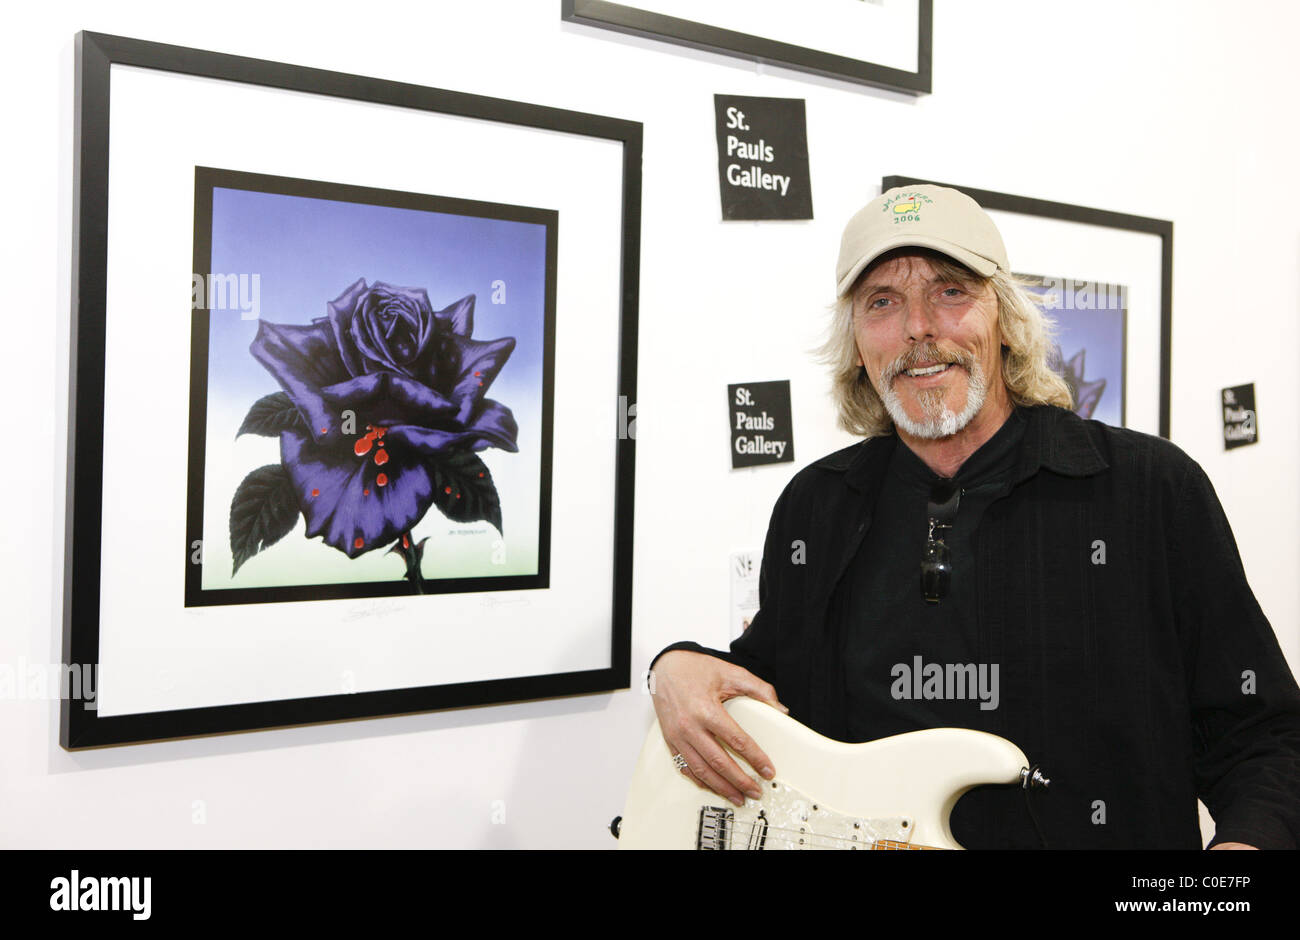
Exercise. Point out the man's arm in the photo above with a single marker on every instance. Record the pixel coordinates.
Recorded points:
(688, 691)
(1244, 700)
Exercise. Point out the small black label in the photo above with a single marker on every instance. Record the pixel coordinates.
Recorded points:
(760, 423)
(1240, 421)
(763, 158)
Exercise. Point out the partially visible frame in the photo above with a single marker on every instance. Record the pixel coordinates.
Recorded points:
(728, 34)
(1097, 264)
(165, 668)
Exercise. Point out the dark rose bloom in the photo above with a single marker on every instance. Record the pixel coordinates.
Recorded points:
(415, 382)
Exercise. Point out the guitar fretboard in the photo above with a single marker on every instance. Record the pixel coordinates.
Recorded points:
(891, 844)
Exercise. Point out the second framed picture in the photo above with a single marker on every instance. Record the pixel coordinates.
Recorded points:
(885, 43)
(1105, 280)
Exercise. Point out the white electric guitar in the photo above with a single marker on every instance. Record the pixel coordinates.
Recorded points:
(894, 793)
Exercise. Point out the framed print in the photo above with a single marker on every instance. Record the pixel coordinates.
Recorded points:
(348, 391)
(884, 43)
(1105, 280)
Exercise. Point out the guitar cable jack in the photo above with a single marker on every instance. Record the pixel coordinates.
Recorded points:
(1033, 777)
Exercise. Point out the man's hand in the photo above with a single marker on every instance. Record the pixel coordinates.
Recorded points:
(689, 689)
(1233, 845)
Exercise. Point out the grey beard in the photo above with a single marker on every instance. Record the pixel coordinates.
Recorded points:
(940, 420)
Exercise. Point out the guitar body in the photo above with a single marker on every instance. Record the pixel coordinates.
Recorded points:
(894, 793)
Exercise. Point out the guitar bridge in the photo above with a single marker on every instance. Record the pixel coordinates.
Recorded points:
(715, 829)
(718, 828)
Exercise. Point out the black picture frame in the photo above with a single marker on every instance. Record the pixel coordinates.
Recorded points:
(81, 725)
(627, 18)
(1103, 218)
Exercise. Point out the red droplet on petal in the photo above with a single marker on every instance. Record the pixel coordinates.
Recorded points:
(362, 447)
(359, 542)
(406, 543)
(458, 496)
(324, 430)
(480, 476)
(381, 480)
(381, 457)
(478, 375)
(315, 493)
(365, 492)
(447, 490)
(380, 431)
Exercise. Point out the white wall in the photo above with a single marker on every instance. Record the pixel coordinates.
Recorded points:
(1173, 110)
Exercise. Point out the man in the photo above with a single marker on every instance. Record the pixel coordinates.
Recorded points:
(1087, 573)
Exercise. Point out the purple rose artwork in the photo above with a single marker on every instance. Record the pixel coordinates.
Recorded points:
(383, 407)
(372, 393)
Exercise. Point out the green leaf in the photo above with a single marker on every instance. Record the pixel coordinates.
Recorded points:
(264, 510)
(463, 489)
(270, 415)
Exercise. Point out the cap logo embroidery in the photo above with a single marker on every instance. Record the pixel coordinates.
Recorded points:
(906, 207)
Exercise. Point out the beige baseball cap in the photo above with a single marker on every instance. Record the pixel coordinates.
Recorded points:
(924, 216)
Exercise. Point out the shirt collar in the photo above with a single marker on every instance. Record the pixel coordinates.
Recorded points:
(1055, 439)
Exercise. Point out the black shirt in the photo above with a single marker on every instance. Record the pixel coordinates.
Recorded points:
(911, 664)
(888, 624)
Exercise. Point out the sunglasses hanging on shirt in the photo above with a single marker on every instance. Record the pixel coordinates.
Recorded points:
(936, 562)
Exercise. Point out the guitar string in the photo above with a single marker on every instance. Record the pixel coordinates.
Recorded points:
(746, 830)
(793, 837)
(813, 843)
(816, 842)
(795, 833)
(791, 843)
(827, 842)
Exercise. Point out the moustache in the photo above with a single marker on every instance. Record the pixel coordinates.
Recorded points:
(926, 353)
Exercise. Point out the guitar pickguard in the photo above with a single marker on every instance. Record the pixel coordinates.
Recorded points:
(786, 819)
